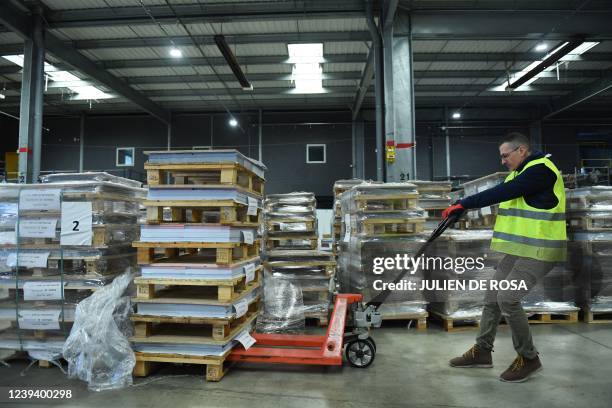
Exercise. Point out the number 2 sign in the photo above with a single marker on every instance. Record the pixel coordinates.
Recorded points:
(76, 223)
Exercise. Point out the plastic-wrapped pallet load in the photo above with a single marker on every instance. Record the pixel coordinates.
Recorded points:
(198, 295)
(461, 304)
(484, 217)
(59, 241)
(340, 186)
(434, 197)
(310, 271)
(291, 221)
(589, 223)
(381, 221)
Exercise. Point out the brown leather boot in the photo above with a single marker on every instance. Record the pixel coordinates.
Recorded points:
(521, 369)
(473, 358)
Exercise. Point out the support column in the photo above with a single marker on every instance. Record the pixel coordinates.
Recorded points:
(31, 105)
(399, 98)
(447, 145)
(212, 119)
(260, 134)
(358, 149)
(535, 135)
(378, 91)
(81, 142)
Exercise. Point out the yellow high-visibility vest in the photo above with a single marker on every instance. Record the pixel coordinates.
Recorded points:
(530, 232)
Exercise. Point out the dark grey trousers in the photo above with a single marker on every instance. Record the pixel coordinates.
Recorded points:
(508, 304)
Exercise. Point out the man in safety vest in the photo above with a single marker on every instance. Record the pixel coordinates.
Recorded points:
(530, 230)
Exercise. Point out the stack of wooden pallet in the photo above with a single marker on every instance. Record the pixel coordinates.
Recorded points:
(291, 237)
(198, 294)
(589, 220)
(433, 198)
(59, 241)
(382, 221)
(483, 218)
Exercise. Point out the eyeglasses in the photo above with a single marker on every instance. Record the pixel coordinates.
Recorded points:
(506, 155)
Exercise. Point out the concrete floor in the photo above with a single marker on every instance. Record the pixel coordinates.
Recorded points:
(411, 369)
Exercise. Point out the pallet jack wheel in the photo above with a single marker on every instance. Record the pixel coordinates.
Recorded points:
(360, 353)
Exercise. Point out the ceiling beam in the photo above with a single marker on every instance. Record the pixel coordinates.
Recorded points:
(21, 24)
(531, 24)
(364, 84)
(245, 60)
(579, 96)
(308, 37)
(209, 13)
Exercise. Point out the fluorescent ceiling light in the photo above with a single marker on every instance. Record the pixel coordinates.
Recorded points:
(82, 90)
(573, 55)
(176, 53)
(456, 115)
(307, 73)
(541, 47)
(233, 122)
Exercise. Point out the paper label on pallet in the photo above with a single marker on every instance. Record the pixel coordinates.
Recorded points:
(76, 223)
(252, 206)
(347, 227)
(8, 237)
(485, 211)
(39, 319)
(473, 214)
(245, 339)
(248, 237)
(241, 308)
(40, 199)
(482, 188)
(574, 222)
(43, 290)
(249, 272)
(37, 228)
(28, 259)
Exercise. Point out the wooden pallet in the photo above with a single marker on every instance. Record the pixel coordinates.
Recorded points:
(419, 319)
(588, 223)
(204, 174)
(483, 222)
(585, 202)
(552, 317)
(224, 253)
(592, 317)
(329, 267)
(275, 242)
(195, 290)
(386, 202)
(102, 237)
(278, 226)
(391, 226)
(226, 212)
(191, 330)
(451, 324)
(216, 367)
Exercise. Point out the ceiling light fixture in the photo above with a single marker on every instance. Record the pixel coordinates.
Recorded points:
(233, 122)
(82, 90)
(307, 73)
(231, 60)
(176, 53)
(456, 115)
(541, 47)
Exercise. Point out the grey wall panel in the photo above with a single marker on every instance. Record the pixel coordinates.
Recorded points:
(561, 143)
(284, 153)
(60, 145)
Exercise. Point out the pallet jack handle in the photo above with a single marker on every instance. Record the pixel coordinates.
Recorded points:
(442, 226)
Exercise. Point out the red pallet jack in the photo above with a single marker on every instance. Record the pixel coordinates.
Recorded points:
(349, 329)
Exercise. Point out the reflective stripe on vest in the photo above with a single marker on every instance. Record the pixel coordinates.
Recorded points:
(526, 231)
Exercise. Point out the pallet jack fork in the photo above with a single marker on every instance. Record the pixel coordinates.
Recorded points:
(349, 312)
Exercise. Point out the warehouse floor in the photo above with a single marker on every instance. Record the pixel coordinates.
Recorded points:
(411, 369)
